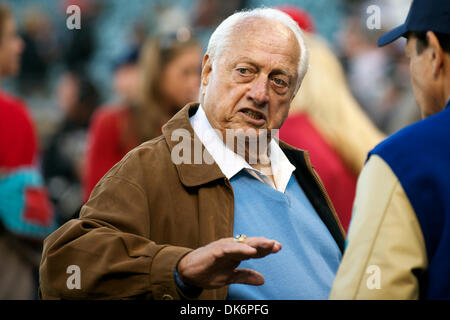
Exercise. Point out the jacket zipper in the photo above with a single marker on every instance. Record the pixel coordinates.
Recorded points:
(324, 193)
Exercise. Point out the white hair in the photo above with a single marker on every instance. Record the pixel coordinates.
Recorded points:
(223, 31)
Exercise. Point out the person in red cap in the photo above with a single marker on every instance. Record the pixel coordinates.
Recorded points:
(325, 125)
(399, 240)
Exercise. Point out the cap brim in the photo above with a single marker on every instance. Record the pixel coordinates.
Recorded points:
(392, 35)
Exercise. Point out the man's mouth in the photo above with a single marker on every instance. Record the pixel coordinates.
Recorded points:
(255, 115)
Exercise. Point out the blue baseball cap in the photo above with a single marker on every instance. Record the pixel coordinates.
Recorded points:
(424, 15)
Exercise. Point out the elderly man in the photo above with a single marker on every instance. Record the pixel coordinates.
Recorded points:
(399, 239)
(157, 226)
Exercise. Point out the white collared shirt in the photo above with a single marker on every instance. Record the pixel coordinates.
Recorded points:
(231, 163)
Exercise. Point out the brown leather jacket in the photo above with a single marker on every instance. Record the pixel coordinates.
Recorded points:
(147, 213)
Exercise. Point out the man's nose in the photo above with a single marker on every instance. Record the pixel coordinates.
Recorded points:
(259, 91)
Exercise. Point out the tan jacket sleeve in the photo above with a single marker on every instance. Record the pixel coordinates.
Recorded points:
(385, 248)
(110, 244)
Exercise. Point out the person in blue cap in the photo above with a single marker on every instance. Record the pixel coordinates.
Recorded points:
(398, 245)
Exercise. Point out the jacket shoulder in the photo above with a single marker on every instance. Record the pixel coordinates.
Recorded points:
(425, 135)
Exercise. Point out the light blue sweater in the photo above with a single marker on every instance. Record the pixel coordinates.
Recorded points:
(307, 264)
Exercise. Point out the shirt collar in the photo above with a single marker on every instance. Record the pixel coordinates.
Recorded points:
(231, 163)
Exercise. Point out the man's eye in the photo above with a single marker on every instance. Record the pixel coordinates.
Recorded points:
(280, 82)
(243, 71)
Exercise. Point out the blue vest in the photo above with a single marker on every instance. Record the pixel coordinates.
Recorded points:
(419, 155)
(307, 263)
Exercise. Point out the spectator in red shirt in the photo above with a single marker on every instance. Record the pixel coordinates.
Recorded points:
(26, 216)
(166, 78)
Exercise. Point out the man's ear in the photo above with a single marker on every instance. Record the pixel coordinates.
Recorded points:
(206, 69)
(437, 54)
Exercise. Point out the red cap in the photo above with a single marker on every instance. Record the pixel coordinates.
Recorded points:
(303, 19)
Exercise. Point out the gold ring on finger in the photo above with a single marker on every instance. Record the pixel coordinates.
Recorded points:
(240, 238)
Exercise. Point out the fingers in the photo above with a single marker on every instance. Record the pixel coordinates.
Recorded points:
(239, 251)
(214, 265)
(253, 247)
(263, 245)
(247, 276)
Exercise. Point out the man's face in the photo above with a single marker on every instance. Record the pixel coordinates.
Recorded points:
(424, 83)
(252, 82)
(11, 47)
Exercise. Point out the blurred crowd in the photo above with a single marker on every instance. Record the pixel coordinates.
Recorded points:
(93, 94)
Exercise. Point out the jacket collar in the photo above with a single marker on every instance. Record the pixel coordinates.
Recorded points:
(191, 175)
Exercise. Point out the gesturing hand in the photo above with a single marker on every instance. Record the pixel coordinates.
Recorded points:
(214, 265)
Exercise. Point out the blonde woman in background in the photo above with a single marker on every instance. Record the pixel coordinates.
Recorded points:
(165, 79)
(326, 120)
